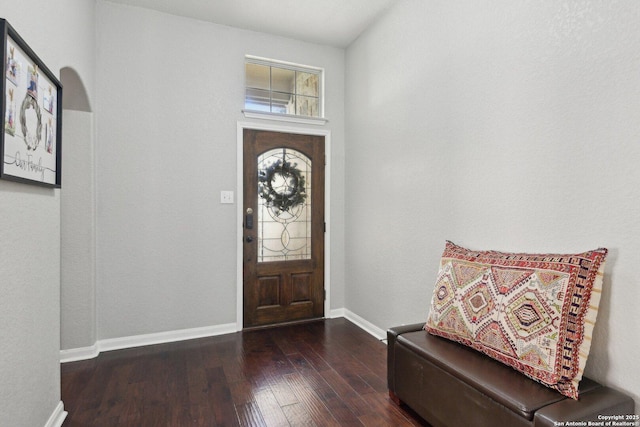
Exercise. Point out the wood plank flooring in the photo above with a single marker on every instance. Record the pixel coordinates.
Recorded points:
(322, 373)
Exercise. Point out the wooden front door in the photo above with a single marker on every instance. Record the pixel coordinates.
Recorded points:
(283, 255)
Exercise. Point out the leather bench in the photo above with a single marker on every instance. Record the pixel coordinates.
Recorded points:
(449, 384)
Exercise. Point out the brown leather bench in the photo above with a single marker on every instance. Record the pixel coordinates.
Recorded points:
(449, 384)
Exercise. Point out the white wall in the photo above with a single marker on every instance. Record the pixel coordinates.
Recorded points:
(77, 229)
(61, 33)
(497, 125)
(170, 94)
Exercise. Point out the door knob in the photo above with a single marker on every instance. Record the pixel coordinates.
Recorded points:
(249, 239)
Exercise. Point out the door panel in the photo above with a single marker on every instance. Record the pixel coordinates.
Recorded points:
(283, 249)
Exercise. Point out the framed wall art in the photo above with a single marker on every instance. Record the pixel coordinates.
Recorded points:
(31, 105)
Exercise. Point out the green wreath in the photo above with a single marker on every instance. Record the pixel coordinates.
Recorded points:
(289, 194)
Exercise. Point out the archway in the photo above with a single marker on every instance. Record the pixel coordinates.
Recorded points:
(74, 93)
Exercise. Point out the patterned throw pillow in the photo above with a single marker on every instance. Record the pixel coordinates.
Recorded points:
(533, 312)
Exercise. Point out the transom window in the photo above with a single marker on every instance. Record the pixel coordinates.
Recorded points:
(282, 88)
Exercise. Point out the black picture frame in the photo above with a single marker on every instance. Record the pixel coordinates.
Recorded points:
(31, 121)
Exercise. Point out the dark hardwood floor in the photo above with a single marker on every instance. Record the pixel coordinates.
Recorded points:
(322, 373)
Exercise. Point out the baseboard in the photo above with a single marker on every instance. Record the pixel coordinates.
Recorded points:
(338, 312)
(110, 344)
(57, 417)
(82, 353)
(365, 325)
(165, 337)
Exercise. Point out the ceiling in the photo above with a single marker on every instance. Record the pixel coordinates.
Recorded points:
(329, 22)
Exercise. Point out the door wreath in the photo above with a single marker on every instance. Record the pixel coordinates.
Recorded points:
(282, 186)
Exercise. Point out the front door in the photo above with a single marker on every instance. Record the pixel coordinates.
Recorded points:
(283, 255)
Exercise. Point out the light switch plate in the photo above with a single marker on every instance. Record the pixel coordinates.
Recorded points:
(226, 197)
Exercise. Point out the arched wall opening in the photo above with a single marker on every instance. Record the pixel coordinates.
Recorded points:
(74, 93)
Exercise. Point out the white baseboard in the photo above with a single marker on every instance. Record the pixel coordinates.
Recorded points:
(85, 353)
(57, 417)
(82, 353)
(338, 312)
(365, 324)
(165, 337)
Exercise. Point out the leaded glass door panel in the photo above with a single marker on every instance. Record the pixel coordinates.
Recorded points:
(283, 206)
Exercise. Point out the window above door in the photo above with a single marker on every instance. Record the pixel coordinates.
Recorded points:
(283, 91)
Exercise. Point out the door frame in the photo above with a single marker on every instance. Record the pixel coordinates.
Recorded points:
(326, 133)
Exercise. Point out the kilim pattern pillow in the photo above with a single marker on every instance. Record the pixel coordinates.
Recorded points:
(533, 312)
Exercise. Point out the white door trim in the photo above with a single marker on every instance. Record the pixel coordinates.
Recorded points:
(239, 214)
